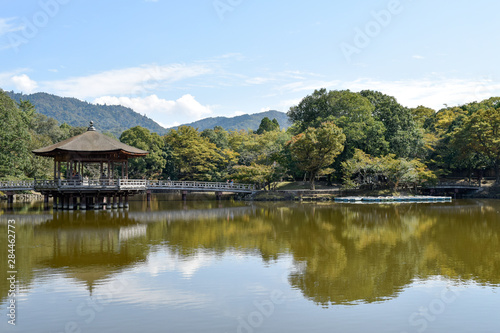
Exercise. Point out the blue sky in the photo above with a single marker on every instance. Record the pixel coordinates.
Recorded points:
(180, 61)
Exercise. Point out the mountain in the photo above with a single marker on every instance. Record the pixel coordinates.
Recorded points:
(245, 122)
(117, 118)
(112, 118)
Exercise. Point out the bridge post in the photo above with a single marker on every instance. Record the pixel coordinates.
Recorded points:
(59, 201)
(115, 205)
(120, 200)
(71, 202)
(83, 202)
(97, 203)
(184, 195)
(65, 201)
(218, 195)
(125, 205)
(45, 202)
(148, 197)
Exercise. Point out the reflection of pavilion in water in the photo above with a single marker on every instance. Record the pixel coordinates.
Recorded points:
(93, 246)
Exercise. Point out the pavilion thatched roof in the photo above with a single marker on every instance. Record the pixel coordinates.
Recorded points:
(90, 142)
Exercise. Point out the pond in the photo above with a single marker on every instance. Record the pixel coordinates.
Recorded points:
(224, 266)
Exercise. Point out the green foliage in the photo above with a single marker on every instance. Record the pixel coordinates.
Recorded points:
(194, 157)
(15, 138)
(316, 149)
(218, 136)
(380, 172)
(261, 156)
(152, 165)
(268, 125)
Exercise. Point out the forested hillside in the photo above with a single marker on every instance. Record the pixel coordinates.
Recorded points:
(72, 111)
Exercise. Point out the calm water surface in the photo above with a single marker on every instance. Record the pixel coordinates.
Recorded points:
(255, 267)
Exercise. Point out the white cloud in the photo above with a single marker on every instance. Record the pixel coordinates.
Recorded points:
(419, 57)
(258, 80)
(127, 81)
(308, 86)
(7, 26)
(167, 113)
(431, 92)
(24, 83)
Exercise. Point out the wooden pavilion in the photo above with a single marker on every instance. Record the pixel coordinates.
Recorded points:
(82, 150)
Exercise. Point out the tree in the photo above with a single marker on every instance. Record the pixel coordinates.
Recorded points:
(379, 172)
(316, 148)
(261, 157)
(403, 133)
(267, 125)
(482, 132)
(218, 136)
(194, 156)
(150, 166)
(351, 112)
(14, 138)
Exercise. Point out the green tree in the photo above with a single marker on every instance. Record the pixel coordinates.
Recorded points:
(268, 125)
(402, 132)
(316, 148)
(15, 139)
(351, 112)
(261, 157)
(218, 136)
(150, 166)
(194, 156)
(379, 172)
(482, 133)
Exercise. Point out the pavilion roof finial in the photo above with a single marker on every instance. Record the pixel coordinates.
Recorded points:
(91, 126)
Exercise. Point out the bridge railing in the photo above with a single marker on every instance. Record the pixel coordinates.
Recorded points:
(16, 184)
(198, 185)
(121, 184)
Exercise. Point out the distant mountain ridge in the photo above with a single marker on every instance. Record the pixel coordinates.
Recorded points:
(112, 118)
(243, 122)
(117, 118)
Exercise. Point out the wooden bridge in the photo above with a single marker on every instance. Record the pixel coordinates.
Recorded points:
(452, 188)
(113, 192)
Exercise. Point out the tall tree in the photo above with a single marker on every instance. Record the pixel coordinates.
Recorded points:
(351, 112)
(316, 148)
(150, 166)
(14, 138)
(194, 156)
(267, 125)
(403, 133)
(482, 129)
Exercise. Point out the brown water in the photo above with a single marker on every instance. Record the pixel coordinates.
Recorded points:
(255, 267)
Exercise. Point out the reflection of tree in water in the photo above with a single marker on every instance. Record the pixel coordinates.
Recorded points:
(343, 254)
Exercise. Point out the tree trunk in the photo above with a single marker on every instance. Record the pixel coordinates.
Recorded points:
(313, 176)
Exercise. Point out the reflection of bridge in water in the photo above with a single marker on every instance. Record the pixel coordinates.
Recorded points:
(118, 217)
